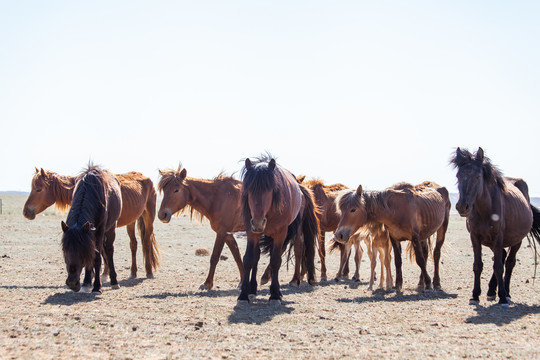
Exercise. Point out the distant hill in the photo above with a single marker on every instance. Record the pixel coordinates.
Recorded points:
(15, 192)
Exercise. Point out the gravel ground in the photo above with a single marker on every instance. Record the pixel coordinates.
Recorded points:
(169, 318)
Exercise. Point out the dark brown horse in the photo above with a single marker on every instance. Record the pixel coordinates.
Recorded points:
(90, 228)
(276, 210)
(139, 203)
(499, 215)
(219, 200)
(408, 213)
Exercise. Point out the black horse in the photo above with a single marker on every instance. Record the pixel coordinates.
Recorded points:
(90, 228)
(499, 215)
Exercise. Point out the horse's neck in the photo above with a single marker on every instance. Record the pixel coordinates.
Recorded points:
(375, 212)
(63, 189)
(489, 201)
(201, 194)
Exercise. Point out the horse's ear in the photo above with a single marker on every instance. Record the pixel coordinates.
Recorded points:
(359, 190)
(37, 170)
(480, 155)
(248, 164)
(161, 172)
(88, 226)
(65, 227)
(301, 178)
(43, 172)
(272, 164)
(183, 174)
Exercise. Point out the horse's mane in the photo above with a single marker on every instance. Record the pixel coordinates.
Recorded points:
(60, 186)
(318, 183)
(258, 179)
(370, 200)
(171, 176)
(490, 172)
(80, 243)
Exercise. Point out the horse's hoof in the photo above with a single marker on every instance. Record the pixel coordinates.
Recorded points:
(241, 304)
(85, 290)
(356, 279)
(205, 287)
(264, 281)
(252, 297)
(294, 283)
(491, 298)
(148, 276)
(337, 279)
(474, 302)
(104, 278)
(324, 279)
(130, 277)
(97, 291)
(437, 287)
(115, 287)
(504, 305)
(509, 300)
(274, 302)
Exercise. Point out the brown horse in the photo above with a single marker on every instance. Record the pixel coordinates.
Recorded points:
(408, 213)
(499, 215)
(219, 200)
(276, 209)
(90, 228)
(139, 203)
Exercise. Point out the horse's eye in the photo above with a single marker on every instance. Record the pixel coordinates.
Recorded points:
(353, 210)
(38, 190)
(176, 190)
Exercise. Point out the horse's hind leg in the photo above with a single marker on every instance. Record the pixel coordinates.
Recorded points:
(425, 252)
(398, 262)
(298, 251)
(387, 260)
(510, 263)
(133, 246)
(87, 282)
(357, 259)
(233, 247)
(492, 287)
(344, 253)
(275, 264)
(441, 234)
(421, 260)
(322, 255)
(373, 265)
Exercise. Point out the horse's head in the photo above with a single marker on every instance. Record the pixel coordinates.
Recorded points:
(175, 193)
(41, 196)
(78, 246)
(469, 177)
(258, 193)
(353, 214)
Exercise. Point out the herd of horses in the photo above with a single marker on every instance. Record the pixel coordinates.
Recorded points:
(281, 213)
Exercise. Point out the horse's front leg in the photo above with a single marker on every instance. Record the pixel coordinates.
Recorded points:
(498, 269)
(397, 261)
(214, 259)
(275, 264)
(249, 282)
(477, 268)
(97, 269)
(109, 253)
(492, 287)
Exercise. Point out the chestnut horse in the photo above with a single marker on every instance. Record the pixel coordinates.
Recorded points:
(277, 210)
(90, 228)
(219, 200)
(408, 213)
(138, 197)
(499, 215)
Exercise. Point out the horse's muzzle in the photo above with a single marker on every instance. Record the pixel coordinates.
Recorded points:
(258, 226)
(29, 213)
(73, 284)
(342, 235)
(463, 208)
(164, 216)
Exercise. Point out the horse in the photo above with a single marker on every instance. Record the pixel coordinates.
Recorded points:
(277, 211)
(499, 215)
(139, 207)
(218, 200)
(90, 227)
(407, 212)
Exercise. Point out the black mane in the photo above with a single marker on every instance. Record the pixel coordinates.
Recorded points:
(490, 172)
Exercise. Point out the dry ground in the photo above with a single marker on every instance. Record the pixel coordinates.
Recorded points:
(169, 318)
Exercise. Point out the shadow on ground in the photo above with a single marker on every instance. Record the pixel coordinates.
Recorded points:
(498, 315)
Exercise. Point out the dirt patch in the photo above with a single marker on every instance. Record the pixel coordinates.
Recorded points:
(169, 318)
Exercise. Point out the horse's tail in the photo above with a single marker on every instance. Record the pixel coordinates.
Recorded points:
(412, 255)
(535, 234)
(150, 246)
(311, 231)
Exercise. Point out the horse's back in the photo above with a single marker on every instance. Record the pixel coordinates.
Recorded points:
(292, 195)
(137, 190)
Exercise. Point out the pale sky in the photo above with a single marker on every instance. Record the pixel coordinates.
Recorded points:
(357, 92)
